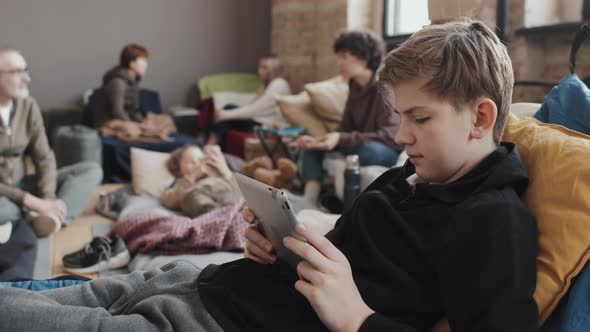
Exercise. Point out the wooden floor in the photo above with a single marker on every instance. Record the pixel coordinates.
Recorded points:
(75, 236)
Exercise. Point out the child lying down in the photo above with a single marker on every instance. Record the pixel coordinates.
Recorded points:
(203, 182)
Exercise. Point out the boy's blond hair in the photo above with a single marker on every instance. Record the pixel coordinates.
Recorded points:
(462, 60)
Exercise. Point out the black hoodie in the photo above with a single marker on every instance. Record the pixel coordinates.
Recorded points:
(118, 98)
(466, 251)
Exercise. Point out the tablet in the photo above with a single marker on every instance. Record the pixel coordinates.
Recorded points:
(274, 216)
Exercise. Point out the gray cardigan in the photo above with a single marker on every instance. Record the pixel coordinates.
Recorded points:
(25, 136)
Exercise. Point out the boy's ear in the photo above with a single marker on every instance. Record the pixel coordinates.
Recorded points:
(485, 114)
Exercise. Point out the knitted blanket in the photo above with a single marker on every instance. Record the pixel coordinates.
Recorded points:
(156, 231)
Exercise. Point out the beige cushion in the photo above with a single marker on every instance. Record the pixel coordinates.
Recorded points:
(298, 111)
(149, 174)
(328, 98)
(331, 125)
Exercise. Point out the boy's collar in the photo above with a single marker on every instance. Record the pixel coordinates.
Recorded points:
(413, 179)
(475, 180)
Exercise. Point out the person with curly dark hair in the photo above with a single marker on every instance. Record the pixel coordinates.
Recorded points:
(368, 125)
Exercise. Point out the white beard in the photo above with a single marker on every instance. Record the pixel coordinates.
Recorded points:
(21, 93)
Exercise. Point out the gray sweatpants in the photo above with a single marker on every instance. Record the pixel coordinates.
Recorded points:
(163, 299)
(75, 185)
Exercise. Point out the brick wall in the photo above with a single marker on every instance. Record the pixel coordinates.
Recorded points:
(537, 57)
(302, 35)
(543, 57)
(303, 32)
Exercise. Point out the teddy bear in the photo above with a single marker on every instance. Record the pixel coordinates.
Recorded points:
(256, 163)
(284, 177)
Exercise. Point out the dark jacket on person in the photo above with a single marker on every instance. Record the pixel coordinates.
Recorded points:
(367, 116)
(117, 98)
(465, 250)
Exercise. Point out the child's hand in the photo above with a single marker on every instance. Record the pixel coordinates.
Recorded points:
(214, 163)
(258, 248)
(326, 281)
(181, 188)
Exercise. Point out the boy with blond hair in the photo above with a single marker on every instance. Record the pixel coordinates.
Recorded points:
(446, 235)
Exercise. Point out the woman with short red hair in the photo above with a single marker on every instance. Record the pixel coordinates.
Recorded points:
(118, 97)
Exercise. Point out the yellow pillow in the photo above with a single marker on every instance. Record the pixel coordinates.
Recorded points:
(297, 111)
(557, 160)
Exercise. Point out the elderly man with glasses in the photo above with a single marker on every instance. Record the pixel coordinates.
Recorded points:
(50, 198)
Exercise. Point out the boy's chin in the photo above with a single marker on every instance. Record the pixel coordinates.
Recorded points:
(426, 176)
(421, 174)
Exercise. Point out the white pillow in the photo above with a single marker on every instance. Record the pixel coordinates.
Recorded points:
(149, 174)
(222, 98)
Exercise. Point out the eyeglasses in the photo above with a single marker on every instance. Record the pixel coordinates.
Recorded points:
(18, 71)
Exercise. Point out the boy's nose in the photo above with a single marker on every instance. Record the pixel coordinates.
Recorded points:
(404, 136)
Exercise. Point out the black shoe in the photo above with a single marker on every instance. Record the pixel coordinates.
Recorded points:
(102, 253)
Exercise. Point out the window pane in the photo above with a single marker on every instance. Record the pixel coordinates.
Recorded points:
(406, 16)
(547, 12)
(413, 15)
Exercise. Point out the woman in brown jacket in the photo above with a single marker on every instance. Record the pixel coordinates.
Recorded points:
(118, 97)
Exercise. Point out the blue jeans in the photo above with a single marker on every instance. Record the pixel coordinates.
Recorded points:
(370, 153)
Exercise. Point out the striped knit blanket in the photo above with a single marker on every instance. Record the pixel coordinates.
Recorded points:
(156, 231)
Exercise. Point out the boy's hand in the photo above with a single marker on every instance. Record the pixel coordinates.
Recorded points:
(258, 248)
(326, 281)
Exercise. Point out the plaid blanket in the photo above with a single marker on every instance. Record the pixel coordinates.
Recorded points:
(156, 231)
